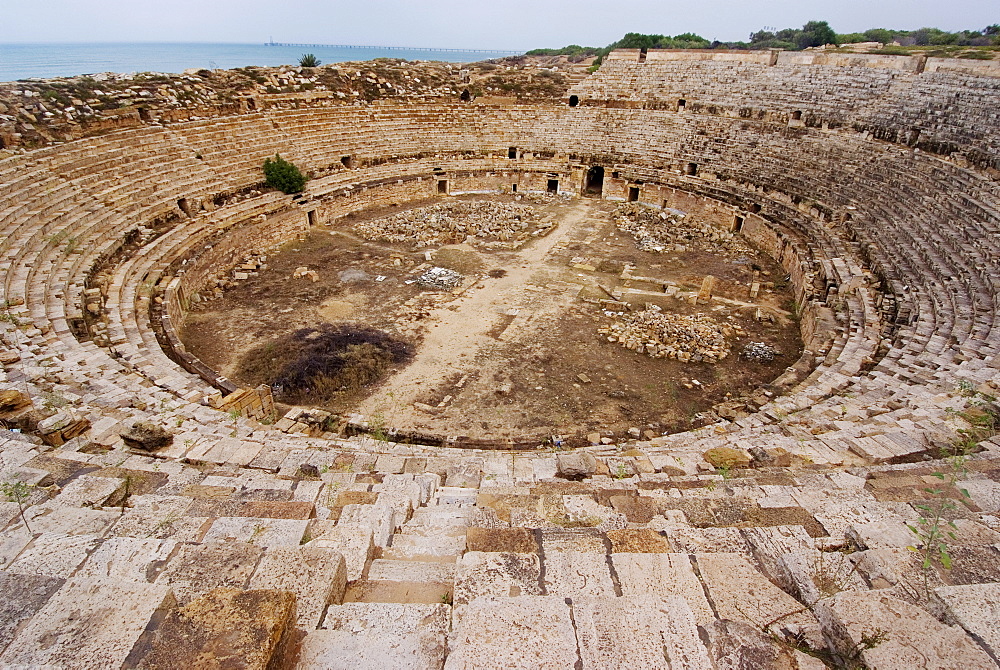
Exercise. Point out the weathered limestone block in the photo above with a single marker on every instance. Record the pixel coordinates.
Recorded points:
(197, 569)
(23, 596)
(734, 644)
(54, 555)
(146, 436)
(373, 636)
(576, 466)
(741, 593)
(575, 573)
(974, 607)
(87, 624)
(908, 636)
(640, 631)
(353, 541)
(467, 473)
(496, 574)
(159, 516)
(523, 633)
(515, 540)
(812, 574)
(89, 491)
(316, 576)
(663, 575)
(225, 628)
(261, 532)
(379, 519)
(128, 559)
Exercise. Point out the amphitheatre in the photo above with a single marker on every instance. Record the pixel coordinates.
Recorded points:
(802, 473)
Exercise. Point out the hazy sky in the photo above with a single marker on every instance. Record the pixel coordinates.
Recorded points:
(508, 24)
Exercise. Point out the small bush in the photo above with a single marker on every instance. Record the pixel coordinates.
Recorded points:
(282, 175)
(309, 60)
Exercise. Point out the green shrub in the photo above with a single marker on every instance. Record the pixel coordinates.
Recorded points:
(309, 60)
(282, 175)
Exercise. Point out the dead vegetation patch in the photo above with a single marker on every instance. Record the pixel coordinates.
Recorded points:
(326, 364)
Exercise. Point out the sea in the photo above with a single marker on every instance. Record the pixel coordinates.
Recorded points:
(25, 61)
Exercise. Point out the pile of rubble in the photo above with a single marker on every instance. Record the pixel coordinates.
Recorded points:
(441, 279)
(679, 337)
(663, 231)
(758, 352)
(453, 222)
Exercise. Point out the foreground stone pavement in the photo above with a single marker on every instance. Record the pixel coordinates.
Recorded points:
(277, 544)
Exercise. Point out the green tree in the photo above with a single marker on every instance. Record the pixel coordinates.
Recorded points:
(816, 34)
(309, 60)
(282, 175)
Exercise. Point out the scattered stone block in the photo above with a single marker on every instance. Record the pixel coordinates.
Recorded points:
(128, 559)
(734, 644)
(54, 555)
(727, 458)
(574, 573)
(576, 466)
(146, 436)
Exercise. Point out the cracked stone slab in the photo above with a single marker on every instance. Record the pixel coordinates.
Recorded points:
(523, 633)
(50, 518)
(87, 624)
(374, 636)
(316, 576)
(663, 575)
(641, 631)
(910, 637)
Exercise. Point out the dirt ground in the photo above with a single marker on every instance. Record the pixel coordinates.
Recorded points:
(502, 356)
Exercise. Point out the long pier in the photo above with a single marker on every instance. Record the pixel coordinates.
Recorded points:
(509, 52)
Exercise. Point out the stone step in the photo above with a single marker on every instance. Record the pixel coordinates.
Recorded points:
(376, 635)
(529, 632)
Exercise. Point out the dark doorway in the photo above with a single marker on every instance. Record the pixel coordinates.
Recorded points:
(311, 214)
(692, 169)
(796, 115)
(737, 223)
(347, 161)
(184, 206)
(681, 104)
(595, 181)
(144, 114)
(513, 188)
(552, 186)
(633, 193)
(512, 152)
(443, 186)
(574, 100)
